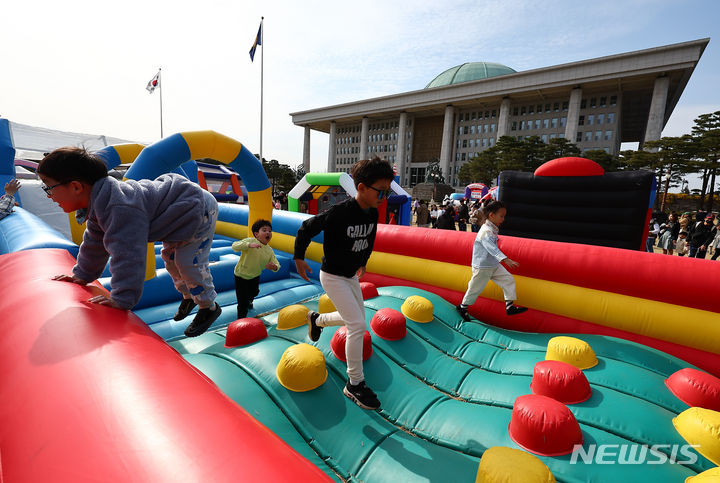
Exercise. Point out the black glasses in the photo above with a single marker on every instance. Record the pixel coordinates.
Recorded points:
(381, 193)
(48, 189)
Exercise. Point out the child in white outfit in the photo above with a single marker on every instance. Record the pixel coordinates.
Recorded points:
(486, 263)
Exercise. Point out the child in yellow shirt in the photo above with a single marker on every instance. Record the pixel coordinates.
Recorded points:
(256, 255)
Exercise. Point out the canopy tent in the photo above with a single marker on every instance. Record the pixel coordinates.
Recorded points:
(31, 142)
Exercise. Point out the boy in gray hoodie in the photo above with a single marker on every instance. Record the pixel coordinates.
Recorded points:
(122, 217)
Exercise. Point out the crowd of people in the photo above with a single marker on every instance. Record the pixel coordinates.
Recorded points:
(448, 215)
(694, 235)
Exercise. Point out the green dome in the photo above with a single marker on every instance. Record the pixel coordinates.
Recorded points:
(469, 71)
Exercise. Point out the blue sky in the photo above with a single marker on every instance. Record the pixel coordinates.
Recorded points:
(82, 66)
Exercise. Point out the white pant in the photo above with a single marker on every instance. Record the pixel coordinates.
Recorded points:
(346, 295)
(480, 278)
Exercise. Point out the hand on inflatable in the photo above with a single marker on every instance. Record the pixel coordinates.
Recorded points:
(271, 266)
(70, 278)
(511, 263)
(104, 300)
(302, 269)
(254, 245)
(12, 186)
(361, 272)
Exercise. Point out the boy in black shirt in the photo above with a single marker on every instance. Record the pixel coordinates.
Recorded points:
(350, 229)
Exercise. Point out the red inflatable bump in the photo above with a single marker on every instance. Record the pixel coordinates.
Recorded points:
(389, 324)
(369, 290)
(560, 381)
(544, 426)
(337, 344)
(570, 167)
(695, 388)
(244, 332)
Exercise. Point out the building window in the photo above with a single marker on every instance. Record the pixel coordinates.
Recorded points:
(471, 143)
(565, 106)
(522, 110)
(522, 125)
(472, 129)
(581, 121)
(484, 142)
(466, 130)
(563, 121)
(611, 117)
(544, 138)
(600, 118)
(487, 114)
(417, 175)
(608, 135)
(593, 102)
(553, 123)
(493, 113)
(515, 111)
(578, 138)
(464, 143)
(556, 106)
(492, 127)
(513, 126)
(552, 136)
(462, 157)
(485, 128)
(537, 123)
(583, 103)
(531, 109)
(613, 100)
(591, 119)
(598, 135)
(546, 123)
(588, 136)
(603, 101)
(492, 142)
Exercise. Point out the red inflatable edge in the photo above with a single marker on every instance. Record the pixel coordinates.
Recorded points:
(91, 393)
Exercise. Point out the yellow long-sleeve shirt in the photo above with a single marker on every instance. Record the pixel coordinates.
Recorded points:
(253, 260)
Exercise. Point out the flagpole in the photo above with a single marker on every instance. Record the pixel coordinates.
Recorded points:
(160, 86)
(262, 55)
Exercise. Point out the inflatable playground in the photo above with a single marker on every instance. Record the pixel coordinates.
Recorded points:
(611, 376)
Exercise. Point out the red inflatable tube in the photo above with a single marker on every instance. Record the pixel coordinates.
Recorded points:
(90, 393)
(670, 279)
(493, 312)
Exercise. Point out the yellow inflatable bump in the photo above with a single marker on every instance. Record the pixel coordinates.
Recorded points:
(301, 368)
(571, 350)
(509, 465)
(417, 309)
(325, 305)
(702, 427)
(709, 476)
(210, 144)
(292, 316)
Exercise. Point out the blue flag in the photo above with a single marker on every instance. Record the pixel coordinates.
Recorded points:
(258, 41)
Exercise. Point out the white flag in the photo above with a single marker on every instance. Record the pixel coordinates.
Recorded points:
(154, 82)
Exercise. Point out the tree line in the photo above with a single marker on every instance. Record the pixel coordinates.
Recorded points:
(670, 158)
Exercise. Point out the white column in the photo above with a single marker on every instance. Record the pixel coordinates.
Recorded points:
(573, 115)
(306, 150)
(502, 129)
(332, 150)
(401, 147)
(653, 130)
(364, 139)
(446, 147)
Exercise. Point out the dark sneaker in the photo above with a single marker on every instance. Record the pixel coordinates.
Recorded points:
(185, 308)
(314, 330)
(362, 395)
(463, 312)
(202, 321)
(514, 310)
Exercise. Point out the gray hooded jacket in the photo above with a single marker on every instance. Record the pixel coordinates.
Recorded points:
(123, 216)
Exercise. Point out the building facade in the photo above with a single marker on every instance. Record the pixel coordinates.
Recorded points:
(596, 104)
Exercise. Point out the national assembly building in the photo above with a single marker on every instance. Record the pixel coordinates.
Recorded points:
(596, 104)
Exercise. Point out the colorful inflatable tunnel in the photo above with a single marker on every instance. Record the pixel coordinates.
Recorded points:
(573, 200)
